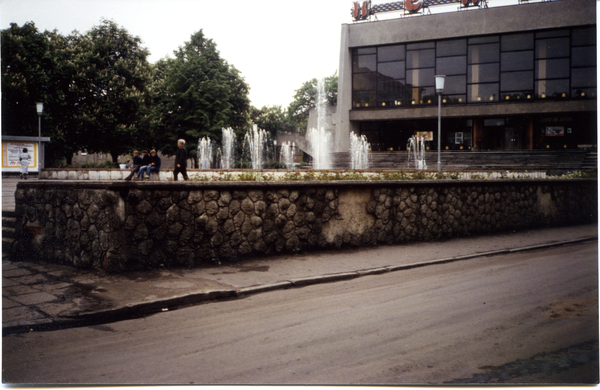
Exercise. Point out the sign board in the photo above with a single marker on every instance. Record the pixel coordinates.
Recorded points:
(10, 155)
(555, 131)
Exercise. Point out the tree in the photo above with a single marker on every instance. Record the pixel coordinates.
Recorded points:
(200, 94)
(111, 88)
(306, 96)
(273, 119)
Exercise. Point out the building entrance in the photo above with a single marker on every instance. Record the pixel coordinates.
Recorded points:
(504, 134)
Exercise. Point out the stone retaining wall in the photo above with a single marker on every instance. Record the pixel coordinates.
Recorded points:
(117, 226)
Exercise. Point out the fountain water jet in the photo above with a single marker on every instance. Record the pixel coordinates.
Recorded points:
(359, 152)
(228, 152)
(255, 143)
(416, 151)
(320, 139)
(205, 152)
(287, 153)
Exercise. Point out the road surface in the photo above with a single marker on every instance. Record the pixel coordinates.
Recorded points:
(522, 318)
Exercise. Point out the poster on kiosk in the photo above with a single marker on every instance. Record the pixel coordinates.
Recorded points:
(10, 156)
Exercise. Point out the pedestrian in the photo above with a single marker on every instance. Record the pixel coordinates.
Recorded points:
(24, 158)
(128, 164)
(138, 162)
(181, 161)
(153, 165)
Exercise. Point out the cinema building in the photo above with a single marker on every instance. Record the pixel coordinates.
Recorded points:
(518, 77)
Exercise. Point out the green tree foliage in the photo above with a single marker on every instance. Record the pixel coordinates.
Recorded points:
(200, 94)
(111, 88)
(273, 119)
(306, 96)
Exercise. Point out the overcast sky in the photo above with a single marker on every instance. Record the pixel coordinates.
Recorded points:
(277, 45)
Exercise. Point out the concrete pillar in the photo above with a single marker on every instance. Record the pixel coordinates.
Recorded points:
(344, 99)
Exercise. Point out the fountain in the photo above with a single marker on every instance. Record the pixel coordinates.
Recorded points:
(416, 151)
(228, 152)
(205, 152)
(287, 153)
(320, 139)
(255, 143)
(359, 152)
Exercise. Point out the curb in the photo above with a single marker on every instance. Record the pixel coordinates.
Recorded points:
(137, 310)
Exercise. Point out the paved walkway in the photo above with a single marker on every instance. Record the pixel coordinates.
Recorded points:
(41, 296)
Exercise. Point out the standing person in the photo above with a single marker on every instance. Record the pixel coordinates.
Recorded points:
(153, 166)
(181, 161)
(24, 158)
(138, 162)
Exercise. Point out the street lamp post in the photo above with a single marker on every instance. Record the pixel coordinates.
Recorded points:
(439, 89)
(39, 106)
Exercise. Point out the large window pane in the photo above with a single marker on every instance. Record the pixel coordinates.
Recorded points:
(420, 77)
(420, 59)
(391, 90)
(364, 81)
(552, 48)
(583, 77)
(517, 42)
(518, 60)
(516, 81)
(551, 88)
(551, 69)
(364, 99)
(390, 53)
(364, 64)
(451, 65)
(488, 39)
(484, 53)
(584, 56)
(420, 45)
(368, 50)
(455, 85)
(455, 47)
(483, 73)
(482, 93)
(422, 95)
(394, 70)
(552, 33)
(584, 36)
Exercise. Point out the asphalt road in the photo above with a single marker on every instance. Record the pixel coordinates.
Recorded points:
(521, 318)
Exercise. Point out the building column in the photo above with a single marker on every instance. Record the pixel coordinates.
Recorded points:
(477, 133)
(344, 99)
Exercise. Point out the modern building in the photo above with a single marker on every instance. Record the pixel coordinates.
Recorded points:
(518, 77)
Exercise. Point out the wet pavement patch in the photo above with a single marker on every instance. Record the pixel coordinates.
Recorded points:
(546, 362)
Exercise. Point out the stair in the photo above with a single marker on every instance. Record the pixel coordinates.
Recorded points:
(590, 162)
(9, 222)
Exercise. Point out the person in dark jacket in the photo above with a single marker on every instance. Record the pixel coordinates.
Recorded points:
(137, 163)
(181, 161)
(152, 166)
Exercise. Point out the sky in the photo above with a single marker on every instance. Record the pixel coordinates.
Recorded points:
(277, 45)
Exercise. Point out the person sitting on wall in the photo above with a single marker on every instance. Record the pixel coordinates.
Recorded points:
(128, 164)
(138, 162)
(153, 166)
(181, 161)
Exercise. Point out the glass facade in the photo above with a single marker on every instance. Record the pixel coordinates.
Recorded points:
(531, 66)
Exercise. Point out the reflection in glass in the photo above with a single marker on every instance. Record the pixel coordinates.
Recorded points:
(420, 59)
(517, 42)
(552, 48)
(550, 69)
(420, 77)
(451, 65)
(455, 47)
(394, 70)
(362, 99)
(390, 53)
(483, 93)
(422, 96)
(518, 60)
(483, 73)
(484, 53)
(455, 85)
(364, 64)
(364, 81)
(517, 81)
(584, 56)
(583, 77)
(545, 89)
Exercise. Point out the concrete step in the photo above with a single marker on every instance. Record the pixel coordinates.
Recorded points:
(9, 222)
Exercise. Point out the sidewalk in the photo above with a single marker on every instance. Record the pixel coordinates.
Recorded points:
(47, 296)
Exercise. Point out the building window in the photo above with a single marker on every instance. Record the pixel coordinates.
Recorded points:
(516, 67)
(583, 63)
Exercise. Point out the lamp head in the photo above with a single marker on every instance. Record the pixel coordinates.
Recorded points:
(39, 107)
(439, 83)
